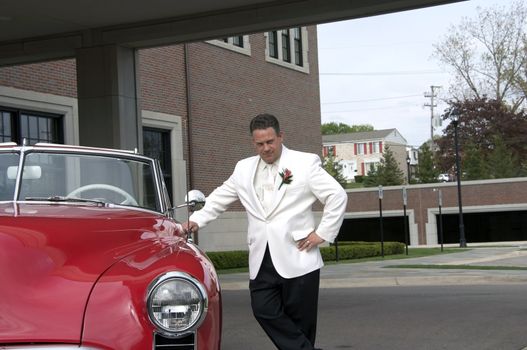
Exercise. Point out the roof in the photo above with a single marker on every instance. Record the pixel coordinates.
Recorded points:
(361, 136)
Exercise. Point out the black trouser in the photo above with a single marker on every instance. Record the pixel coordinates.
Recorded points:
(286, 308)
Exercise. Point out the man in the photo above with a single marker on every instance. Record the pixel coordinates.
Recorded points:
(277, 188)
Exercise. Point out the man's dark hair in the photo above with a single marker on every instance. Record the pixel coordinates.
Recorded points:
(264, 121)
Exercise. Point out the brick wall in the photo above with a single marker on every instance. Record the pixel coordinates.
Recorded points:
(228, 89)
(54, 77)
(477, 196)
(162, 80)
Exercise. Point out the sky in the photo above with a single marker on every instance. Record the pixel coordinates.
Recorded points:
(376, 70)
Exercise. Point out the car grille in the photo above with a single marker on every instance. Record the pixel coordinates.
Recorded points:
(187, 342)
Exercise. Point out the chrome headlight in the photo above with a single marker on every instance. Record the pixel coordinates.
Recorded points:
(177, 303)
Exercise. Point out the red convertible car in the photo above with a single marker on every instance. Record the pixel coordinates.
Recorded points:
(91, 257)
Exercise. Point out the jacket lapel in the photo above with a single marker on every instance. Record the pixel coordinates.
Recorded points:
(254, 196)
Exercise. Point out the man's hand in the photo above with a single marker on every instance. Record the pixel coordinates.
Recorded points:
(190, 227)
(311, 241)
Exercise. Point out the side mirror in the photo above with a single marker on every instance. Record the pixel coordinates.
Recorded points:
(194, 200)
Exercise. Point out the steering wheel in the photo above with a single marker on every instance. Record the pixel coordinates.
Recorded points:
(128, 197)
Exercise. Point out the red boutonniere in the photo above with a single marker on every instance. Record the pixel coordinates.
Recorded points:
(287, 177)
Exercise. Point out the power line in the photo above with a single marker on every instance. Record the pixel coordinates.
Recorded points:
(409, 72)
(360, 110)
(379, 44)
(370, 99)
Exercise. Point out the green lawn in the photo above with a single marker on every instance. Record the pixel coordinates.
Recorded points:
(412, 253)
(457, 267)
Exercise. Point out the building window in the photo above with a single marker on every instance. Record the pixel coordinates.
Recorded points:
(376, 147)
(238, 43)
(329, 151)
(5, 127)
(17, 126)
(156, 144)
(288, 47)
(235, 40)
(273, 44)
(361, 147)
(371, 166)
(297, 41)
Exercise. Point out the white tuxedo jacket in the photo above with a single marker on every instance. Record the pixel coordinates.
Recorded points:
(290, 215)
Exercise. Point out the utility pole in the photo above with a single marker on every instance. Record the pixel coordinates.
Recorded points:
(432, 95)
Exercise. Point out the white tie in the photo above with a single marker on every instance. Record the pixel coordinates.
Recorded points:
(268, 186)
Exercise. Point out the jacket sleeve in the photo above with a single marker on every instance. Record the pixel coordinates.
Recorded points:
(216, 203)
(334, 198)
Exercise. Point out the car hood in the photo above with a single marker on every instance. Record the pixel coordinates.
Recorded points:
(52, 255)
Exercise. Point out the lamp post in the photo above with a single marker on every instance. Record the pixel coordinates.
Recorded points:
(454, 116)
(408, 168)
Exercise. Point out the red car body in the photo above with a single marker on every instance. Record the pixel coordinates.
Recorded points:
(79, 275)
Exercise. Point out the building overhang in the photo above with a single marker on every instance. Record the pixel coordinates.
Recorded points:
(33, 30)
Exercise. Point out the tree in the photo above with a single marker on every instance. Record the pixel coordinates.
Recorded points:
(481, 120)
(342, 128)
(487, 55)
(427, 172)
(334, 168)
(474, 164)
(501, 162)
(387, 173)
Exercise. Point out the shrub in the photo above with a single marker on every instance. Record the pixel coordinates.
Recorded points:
(347, 251)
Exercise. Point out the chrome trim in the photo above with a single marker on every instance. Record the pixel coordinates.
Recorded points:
(73, 204)
(184, 276)
(19, 174)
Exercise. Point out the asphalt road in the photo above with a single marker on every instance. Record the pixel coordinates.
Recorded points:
(404, 317)
(367, 306)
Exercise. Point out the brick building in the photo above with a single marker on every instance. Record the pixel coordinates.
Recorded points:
(216, 87)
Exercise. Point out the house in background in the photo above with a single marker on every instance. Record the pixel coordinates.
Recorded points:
(412, 160)
(359, 152)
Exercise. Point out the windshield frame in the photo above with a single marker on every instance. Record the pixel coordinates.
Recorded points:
(162, 203)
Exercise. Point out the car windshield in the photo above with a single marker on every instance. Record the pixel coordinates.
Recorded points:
(7, 184)
(91, 178)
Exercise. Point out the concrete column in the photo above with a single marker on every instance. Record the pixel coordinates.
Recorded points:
(107, 82)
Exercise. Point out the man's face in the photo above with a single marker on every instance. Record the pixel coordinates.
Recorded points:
(268, 144)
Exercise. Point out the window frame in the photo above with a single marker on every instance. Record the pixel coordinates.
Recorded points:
(166, 152)
(361, 148)
(376, 147)
(174, 125)
(289, 62)
(17, 117)
(229, 43)
(27, 100)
